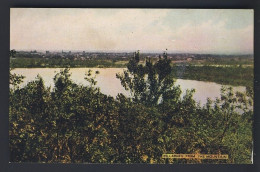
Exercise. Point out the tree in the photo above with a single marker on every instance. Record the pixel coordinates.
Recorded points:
(150, 83)
(12, 53)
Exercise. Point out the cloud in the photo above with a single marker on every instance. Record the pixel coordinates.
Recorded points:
(214, 37)
(126, 29)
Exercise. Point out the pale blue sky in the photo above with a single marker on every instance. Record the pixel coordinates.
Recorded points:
(179, 30)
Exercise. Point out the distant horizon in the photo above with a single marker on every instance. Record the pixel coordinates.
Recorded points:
(131, 51)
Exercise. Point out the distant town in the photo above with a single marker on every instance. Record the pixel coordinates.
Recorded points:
(84, 55)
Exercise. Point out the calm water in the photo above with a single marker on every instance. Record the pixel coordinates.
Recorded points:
(110, 85)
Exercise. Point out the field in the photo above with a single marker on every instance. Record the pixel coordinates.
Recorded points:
(55, 63)
(231, 75)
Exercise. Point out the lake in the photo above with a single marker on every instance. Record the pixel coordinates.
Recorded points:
(110, 85)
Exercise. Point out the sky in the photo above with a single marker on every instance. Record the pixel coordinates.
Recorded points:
(217, 31)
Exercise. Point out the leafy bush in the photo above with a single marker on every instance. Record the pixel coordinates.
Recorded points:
(79, 124)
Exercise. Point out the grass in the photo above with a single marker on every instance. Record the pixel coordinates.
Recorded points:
(56, 63)
(236, 76)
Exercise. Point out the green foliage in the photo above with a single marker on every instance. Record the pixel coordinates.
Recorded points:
(79, 124)
(12, 53)
(25, 62)
(15, 80)
(148, 83)
(231, 75)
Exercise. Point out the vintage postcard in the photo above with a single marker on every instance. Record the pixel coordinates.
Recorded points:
(131, 86)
